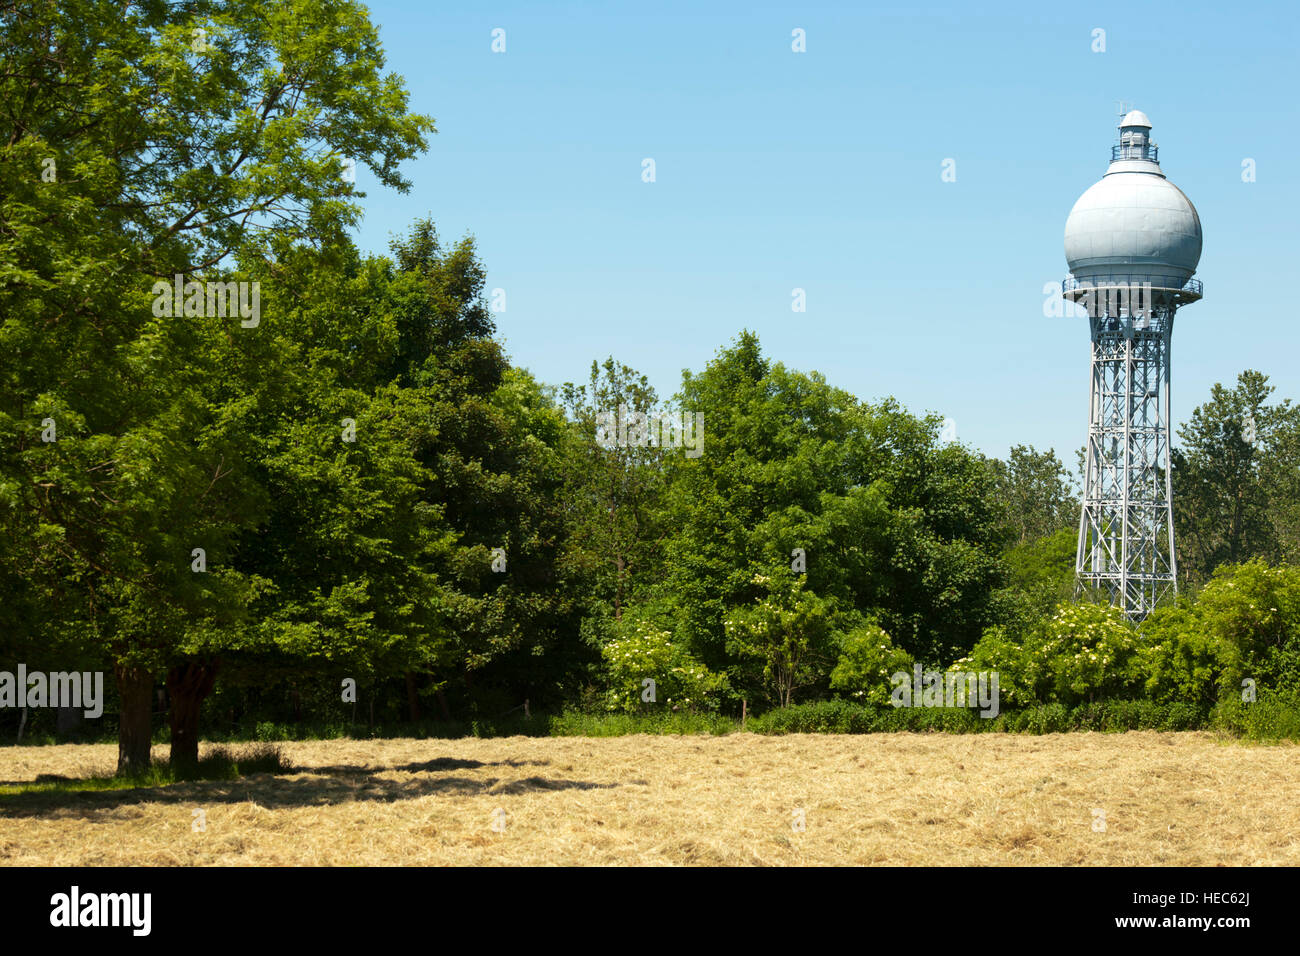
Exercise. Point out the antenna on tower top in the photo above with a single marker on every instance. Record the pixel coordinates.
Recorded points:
(1125, 107)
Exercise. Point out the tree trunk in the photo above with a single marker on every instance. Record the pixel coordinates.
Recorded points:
(442, 704)
(188, 684)
(135, 728)
(618, 589)
(412, 698)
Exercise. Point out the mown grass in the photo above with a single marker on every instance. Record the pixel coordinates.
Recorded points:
(1186, 799)
(216, 763)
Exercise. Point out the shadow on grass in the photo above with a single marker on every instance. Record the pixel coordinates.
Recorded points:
(289, 788)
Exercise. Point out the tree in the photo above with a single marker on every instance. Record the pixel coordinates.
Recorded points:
(786, 632)
(1035, 489)
(1231, 445)
(1040, 572)
(614, 489)
(489, 440)
(1280, 476)
(799, 478)
(139, 143)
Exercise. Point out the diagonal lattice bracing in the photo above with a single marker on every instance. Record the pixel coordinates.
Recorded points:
(1125, 545)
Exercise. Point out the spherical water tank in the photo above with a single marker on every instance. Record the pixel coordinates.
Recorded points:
(1134, 224)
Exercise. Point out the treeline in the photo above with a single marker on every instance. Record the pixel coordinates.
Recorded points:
(333, 496)
(363, 512)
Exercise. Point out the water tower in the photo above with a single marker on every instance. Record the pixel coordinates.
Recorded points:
(1132, 242)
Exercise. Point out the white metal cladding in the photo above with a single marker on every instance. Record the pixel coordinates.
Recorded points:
(1139, 220)
(1132, 241)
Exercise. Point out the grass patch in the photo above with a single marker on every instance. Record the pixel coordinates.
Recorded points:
(1275, 716)
(1112, 716)
(576, 724)
(217, 763)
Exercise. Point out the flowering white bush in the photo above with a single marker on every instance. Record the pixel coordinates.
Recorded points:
(786, 632)
(995, 651)
(645, 651)
(868, 659)
(1084, 653)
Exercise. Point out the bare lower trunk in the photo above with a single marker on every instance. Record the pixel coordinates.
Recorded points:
(442, 704)
(135, 730)
(412, 698)
(188, 684)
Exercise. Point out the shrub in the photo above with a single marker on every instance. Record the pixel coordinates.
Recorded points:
(1275, 715)
(578, 724)
(645, 651)
(787, 632)
(1083, 653)
(1177, 659)
(1048, 719)
(867, 659)
(822, 717)
(996, 651)
(1253, 612)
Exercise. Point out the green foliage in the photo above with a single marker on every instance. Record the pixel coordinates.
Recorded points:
(1244, 624)
(615, 490)
(1035, 493)
(644, 651)
(576, 724)
(996, 651)
(1274, 715)
(786, 632)
(818, 717)
(1252, 613)
(867, 660)
(1084, 652)
(1234, 479)
(211, 156)
(844, 717)
(1110, 716)
(1040, 573)
(1180, 658)
(892, 524)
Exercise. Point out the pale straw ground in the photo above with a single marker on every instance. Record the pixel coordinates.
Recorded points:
(1188, 798)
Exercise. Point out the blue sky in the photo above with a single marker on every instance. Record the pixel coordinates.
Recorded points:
(822, 170)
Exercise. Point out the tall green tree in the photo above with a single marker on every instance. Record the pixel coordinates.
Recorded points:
(1223, 498)
(139, 142)
(800, 478)
(614, 489)
(490, 440)
(1035, 490)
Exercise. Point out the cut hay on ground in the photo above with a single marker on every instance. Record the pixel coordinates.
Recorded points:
(1189, 798)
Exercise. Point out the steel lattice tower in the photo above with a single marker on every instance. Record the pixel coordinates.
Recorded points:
(1133, 242)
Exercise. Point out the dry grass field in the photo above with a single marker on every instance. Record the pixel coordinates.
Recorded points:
(1189, 798)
